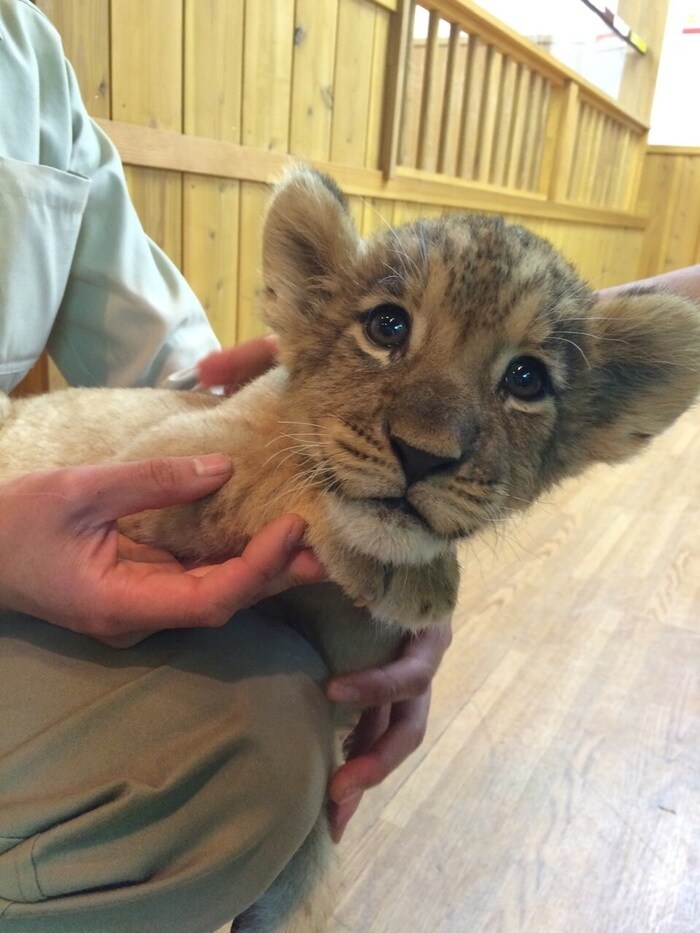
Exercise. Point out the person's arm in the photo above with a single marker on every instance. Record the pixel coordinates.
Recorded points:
(128, 317)
(124, 314)
(680, 281)
(65, 561)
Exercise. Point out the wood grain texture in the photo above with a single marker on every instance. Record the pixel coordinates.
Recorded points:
(315, 37)
(352, 89)
(157, 197)
(75, 20)
(558, 787)
(267, 74)
(210, 251)
(670, 193)
(213, 69)
(146, 62)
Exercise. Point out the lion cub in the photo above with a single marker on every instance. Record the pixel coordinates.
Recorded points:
(432, 380)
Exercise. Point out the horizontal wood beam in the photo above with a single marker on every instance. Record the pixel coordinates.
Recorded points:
(693, 151)
(164, 149)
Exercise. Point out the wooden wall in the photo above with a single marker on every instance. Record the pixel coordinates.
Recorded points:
(670, 195)
(207, 100)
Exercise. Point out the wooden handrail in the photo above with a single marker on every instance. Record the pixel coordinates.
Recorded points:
(472, 17)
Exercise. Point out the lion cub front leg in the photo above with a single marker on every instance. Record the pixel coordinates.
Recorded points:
(417, 597)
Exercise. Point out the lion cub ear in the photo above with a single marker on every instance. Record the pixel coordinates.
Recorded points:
(310, 245)
(645, 369)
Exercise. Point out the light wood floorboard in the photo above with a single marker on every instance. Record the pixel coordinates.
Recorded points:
(558, 788)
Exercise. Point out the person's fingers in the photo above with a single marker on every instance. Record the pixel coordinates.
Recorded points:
(402, 737)
(270, 552)
(205, 596)
(409, 676)
(234, 366)
(109, 491)
(146, 554)
(303, 568)
(371, 725)
(128, 640)
(340, 814)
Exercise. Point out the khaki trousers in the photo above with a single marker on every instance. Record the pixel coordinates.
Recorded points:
(160, 788)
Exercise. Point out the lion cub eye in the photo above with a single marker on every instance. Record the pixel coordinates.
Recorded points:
(527, 378)
(387, 326)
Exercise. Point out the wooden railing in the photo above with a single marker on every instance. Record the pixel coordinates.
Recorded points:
(209, 100)
(484, 105)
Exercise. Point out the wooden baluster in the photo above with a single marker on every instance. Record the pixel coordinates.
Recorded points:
(428, 102)
(504, 121)
(446, 123)
(519, 130)
(489, 113)
(471, 108)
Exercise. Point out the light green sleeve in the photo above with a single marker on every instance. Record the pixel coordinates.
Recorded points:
(126, 315)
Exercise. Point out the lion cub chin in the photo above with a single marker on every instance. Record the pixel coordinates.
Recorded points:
(432, 380)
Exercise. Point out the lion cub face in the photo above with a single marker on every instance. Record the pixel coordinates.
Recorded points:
(444, 373)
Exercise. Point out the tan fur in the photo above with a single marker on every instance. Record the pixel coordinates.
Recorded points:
(321, 435)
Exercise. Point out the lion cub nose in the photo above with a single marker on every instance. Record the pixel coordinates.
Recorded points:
(417, 463)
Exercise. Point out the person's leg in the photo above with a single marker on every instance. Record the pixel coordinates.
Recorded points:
(159, 788)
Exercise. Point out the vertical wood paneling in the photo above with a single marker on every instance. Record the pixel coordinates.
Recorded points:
(147, 85)
(75, 20)
(352, 87)
(213, 68)
(582, 154)
(670, 193)
(315, 36)
(376, 112)
(376, 216)
(157, 197)
(254, 200)
(623, 169)
(539, 179)
(147, 45)
(397, 88)
(213, 81)
(533, 143)
(267, 73)
(211, 249)
(267, 83)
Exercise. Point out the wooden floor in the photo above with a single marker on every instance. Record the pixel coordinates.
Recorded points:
(558, 789)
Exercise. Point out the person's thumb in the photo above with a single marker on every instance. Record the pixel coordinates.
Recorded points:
(110, 491)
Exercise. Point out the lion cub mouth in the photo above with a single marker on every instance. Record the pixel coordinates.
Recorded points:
(401, 505)
(388, 528)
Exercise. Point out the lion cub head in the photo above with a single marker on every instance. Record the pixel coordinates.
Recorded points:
(444, 373)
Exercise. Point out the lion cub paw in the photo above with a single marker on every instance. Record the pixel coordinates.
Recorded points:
(419, 596)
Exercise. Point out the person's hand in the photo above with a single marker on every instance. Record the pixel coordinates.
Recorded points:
(64, 560)
(396, 700)
(234, 366)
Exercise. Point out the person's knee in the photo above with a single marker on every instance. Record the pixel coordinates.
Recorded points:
(187, 810)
